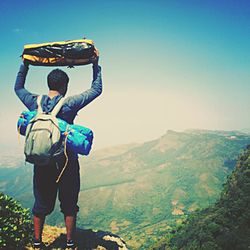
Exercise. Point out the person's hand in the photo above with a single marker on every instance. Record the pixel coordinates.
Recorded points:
(95, 59)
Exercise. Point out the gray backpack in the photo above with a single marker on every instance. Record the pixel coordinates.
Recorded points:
(43, 140)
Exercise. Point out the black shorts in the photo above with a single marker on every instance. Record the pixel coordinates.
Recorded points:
(45, 187)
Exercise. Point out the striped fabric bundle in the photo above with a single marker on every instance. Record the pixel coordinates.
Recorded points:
(66, 53)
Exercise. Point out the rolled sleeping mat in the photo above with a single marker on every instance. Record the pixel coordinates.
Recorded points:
(65, 53)
(78, 142)
(79, 138)
(23, 121)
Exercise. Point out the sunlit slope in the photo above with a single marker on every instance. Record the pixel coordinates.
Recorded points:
(224, 225)
(160, 179)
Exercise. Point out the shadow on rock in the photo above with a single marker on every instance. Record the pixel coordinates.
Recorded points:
(87, 239)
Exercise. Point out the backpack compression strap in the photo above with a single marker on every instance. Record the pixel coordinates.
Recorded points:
(39, 104)
(54, 111)
(58, 106)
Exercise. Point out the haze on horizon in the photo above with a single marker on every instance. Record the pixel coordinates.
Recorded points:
(165, 64)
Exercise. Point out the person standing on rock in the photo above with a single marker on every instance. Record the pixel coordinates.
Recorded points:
(45, 188)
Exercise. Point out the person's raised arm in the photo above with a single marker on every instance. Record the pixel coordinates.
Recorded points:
(28, 99)
(81, 100)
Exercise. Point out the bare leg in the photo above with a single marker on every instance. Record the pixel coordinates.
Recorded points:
(38, 226)
(70, 223)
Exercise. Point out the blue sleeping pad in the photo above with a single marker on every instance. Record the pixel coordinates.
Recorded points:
(79, 138)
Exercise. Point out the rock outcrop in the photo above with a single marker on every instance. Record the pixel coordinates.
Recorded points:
(86, 239)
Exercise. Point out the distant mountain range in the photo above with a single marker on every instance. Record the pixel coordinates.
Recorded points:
(246, 130)
(140, 190)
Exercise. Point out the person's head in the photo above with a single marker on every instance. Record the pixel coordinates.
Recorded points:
(58, 80)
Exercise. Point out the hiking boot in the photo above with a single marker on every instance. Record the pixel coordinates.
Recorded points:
(37, 244)
(70, 244)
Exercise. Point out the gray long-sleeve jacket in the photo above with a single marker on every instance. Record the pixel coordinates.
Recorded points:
(71, 104)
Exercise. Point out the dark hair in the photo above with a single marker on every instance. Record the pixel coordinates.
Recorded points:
(57, 79)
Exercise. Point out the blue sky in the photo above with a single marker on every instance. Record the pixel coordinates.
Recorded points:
(166, 64)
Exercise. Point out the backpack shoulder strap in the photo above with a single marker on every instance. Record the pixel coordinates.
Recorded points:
(58, 106)
(39, 104)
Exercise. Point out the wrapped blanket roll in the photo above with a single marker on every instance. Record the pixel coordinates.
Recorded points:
(63, 53)
(79, 138)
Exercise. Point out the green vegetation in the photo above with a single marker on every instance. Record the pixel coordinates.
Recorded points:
(15, 224)
(224, 225)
